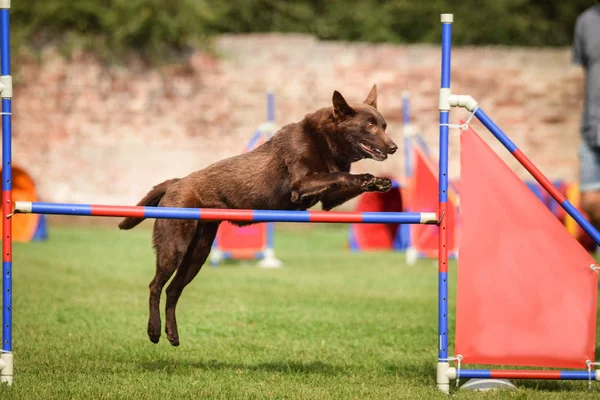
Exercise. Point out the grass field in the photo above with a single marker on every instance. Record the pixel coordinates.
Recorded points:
(330, 325)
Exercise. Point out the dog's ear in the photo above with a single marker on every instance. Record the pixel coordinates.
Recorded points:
(372, 97)
(340, 106)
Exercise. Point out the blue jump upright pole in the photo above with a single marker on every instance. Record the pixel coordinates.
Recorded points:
(407, 139)
(6, 357)
(270, 106)
(269, 254)
(442, 380)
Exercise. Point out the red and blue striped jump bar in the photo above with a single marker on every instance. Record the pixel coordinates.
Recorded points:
(582, 375)
(215, 214)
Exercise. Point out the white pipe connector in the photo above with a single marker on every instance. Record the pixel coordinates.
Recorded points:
(449, 100)
(443, 382)
(4, 4)
(444, 102)
(428, 217)
(447, 18)
(459, 100)
(6, 368)
(451, 373)
(6, 86)
(23, 206)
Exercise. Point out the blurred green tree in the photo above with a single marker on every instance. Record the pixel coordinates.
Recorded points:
(160, 30)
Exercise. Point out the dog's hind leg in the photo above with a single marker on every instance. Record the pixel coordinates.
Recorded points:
(170, 251)
(162, 275)
(193, 261)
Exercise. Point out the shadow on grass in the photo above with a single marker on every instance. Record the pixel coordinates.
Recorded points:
(291, 367)
(420, 373)
(420, 370)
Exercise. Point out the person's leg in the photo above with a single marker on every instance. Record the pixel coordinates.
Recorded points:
(589, 183)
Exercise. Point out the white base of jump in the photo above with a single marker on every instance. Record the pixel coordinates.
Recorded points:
(482, 385)
(412, 255)
(6, 368)
(216, 256)
(270, 261)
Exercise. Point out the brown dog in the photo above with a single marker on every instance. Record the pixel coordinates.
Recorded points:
(304, 163)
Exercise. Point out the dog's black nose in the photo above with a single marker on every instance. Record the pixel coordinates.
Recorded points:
(393, 148)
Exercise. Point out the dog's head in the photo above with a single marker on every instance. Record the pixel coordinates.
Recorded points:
(363, 127)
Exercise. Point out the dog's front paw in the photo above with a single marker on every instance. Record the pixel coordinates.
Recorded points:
(378, 185)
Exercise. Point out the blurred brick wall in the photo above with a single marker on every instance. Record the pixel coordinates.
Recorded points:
(90, 133)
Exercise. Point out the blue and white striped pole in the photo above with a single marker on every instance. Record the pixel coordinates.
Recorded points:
(6, 357)
(269, 260)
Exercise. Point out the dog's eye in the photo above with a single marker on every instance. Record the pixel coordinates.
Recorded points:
(370, 125)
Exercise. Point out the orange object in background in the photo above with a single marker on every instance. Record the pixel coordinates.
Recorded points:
(572, 194)
(26, 227)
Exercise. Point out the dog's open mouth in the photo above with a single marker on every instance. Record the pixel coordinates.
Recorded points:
(375, 154)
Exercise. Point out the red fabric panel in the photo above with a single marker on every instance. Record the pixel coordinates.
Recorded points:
(525, 293)
(377, 236)
(251, 237)
(424, 196)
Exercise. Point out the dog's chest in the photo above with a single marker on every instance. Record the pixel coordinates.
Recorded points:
(329, 165)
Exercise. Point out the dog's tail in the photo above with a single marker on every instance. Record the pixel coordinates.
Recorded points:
(151, 199)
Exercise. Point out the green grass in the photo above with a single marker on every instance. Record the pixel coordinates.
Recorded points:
(330, 325)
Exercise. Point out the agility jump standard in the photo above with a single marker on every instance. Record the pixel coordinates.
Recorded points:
(256, 242)
(6, 356)
(6, 360)
(494, 348)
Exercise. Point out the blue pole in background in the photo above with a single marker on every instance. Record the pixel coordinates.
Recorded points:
(270, 119)
(271, 106)
(407, 140)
